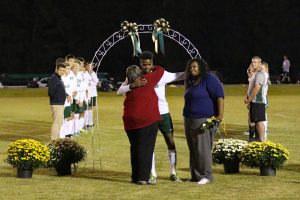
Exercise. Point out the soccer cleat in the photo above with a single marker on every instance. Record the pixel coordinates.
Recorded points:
(203, 181)
(153, 179)
(145, 183)
(175, 178)
(83, 131)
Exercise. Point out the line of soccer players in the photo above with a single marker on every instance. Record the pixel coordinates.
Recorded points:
(81, 87)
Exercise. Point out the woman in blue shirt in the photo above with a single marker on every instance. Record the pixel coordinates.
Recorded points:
(204, 98)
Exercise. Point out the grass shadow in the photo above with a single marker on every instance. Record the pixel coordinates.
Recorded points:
(292, 167)
(31, 129)
(106, 175)
(231, 131)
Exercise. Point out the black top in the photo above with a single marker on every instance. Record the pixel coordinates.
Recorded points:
(56, 90)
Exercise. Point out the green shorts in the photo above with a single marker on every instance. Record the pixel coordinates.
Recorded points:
(165, 125)
(93, 102)
(67, 112)
(73, 106)
(81, 109)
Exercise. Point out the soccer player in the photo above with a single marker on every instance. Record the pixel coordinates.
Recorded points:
(92, 92)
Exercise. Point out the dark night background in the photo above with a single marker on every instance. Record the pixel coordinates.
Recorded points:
(227, 33)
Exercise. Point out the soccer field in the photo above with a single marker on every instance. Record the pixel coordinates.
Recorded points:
(25, 113)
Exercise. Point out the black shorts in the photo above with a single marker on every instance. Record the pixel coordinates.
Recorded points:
(257, 112)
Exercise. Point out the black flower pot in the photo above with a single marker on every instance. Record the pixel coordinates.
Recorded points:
(231, 166)
(24, 173)
(63, 169)
(267, 171)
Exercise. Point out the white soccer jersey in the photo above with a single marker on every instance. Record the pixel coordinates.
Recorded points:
(67, 84)
(160, 89)
(265, 94)
(80, 87)
(93, 81)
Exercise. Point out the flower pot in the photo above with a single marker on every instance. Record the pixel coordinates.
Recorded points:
(63, 169)
(267, 171)
(231, 166)
(24, 173)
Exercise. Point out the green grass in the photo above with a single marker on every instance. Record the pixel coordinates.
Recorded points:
(25, 113)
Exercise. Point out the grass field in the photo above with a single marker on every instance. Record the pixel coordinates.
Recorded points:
(25, 113)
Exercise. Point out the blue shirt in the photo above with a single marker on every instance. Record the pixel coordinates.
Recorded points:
(201, 99)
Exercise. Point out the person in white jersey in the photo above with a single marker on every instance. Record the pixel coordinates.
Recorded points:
(165, 125)
(66, 128)
(92, 93)
(265, 70)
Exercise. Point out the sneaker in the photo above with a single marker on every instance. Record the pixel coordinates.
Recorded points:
(175, 178)
(203, 181)
(145, 183)
(83, 131)
(246, 133)
(153, 179)
(141, 182)
(69, 136)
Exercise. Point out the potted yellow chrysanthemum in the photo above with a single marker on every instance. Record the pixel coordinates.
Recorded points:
(27, 155)
(267, 156)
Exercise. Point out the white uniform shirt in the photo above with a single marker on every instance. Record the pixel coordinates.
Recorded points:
(67, 82)
(92, 84)
(80, 87)
(266, 87)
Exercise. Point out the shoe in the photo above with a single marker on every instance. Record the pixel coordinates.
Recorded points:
(141, 182)
(203, 181)
(246, 133)
(83, 130)
(153, 179)
(175, 178)
(145, 183)
(69, 136)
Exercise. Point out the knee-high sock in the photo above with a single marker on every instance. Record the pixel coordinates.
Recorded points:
(63, 128)
(70, 124)
(90, 117)
(86, 118)
(172, 157)
(81, 122)
(266, 128)
(153, 171)
(76, 123)
(251, 131)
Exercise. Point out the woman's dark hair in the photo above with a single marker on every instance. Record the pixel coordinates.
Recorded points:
(146, 55)
(133, 72)
(194, 80)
